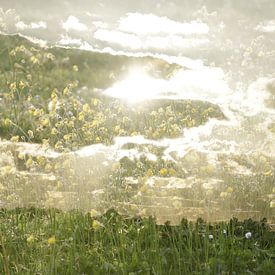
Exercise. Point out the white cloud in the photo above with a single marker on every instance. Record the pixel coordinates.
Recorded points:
(136, 42)
(152, 24)
(72, 23)
(268, 26)
(33, 25)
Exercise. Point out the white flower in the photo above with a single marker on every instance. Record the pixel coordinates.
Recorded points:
(224, 232)
(248, 235)
(211, 237)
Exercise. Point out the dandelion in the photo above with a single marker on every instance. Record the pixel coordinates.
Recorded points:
(52, 240)
(248, 235)
(96, 225)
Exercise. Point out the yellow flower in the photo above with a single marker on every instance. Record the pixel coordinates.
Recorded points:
(15, 139)
(97, 139)
(51, 240)
(13, 86)
(21, 156)
(95, 101)
(96, 225)
(86, 108)
(54, 131)
(31, 239)
(30, 133)
(66, 91)
(229, 189)
(7, 122)
(272, 204)
(172, 172)
(93, 213)
(81, 116)
(44, 121)
(29, 162)
(149, 173)
(75, 68)
(163, 172)
(41, 160)
(34, 60)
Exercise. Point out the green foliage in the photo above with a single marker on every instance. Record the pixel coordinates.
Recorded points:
(115, 244)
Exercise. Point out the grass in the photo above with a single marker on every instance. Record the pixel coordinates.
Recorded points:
(37, 241)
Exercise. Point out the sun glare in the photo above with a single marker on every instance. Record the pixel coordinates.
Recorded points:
(138, 86)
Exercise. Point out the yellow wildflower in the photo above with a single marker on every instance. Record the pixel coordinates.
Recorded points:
(81, 116)
(163, 172)
(229, 189)
(52, 240)
(41, 160)
(21, 156)
(149, 173)
(15, 139)
(7, 122)
(54, 131)
(29, 162)
(272, 204)
(93, 213)
(96, 225)
(45, 121)
(172, 171)
(31, 239)
(30, 133)
(86, 108)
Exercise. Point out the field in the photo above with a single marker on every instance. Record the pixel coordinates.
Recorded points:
(51, 107)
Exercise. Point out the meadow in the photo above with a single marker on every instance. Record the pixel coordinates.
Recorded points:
(51, 98)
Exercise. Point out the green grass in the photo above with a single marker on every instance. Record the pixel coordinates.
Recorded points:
(123, 245)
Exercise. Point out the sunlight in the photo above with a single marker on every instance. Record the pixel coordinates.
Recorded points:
(138, 86)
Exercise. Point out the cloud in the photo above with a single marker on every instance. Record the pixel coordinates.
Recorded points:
(72, 23)
(20, 25)
(268, 26)
(152, 24)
